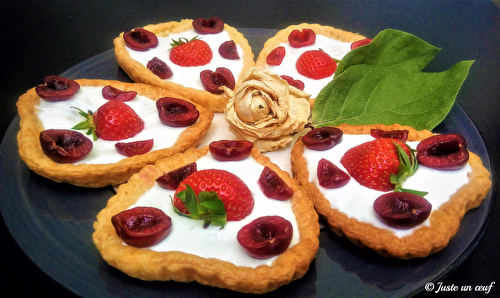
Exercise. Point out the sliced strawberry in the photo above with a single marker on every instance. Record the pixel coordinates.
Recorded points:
(316, 64)
(194, 52)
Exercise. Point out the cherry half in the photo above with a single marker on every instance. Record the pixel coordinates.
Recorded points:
(443, 152)
(402, 210)
(273, 186)
(159, 68)
(176, 112)
(228, 50)
(142, 226)
(211, 26)
(56, 88)
(298, 38)
(292, 82)
(65, 146)
(172, 179)
(330, 176)
(212, 80)
(276, 56)
(266, 236)
(230, 150)
(111, 93)
(322, 138)
(359, 43)
(401, 135)
(130, 149)
(140, 39)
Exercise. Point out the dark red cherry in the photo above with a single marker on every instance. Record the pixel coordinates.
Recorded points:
(212, 80)
(142, 226)
(130, 149)
(266, 236)
(402, 210)
(359, 43)
(292, 82)
(159, 68)
(65, 146)
(301, 38)
(140, 39)
(330, 176)
(111, 93)
(176, 112)
(443, 152)
(322, 138)
(172, 179)
(56, 88)
(276, 56)
(228, 50)
(401, 135)
(230, 150)
(273, 186)
(211, 26)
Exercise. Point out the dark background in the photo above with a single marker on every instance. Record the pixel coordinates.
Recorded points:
(40, 38)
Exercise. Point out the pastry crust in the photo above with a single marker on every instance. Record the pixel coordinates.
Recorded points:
(98, 175)
(425, 240)
(282, 37)
(139, 73)
(183, 267)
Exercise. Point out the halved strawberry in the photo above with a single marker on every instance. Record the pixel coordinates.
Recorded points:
(382, 164)
(316, 64)
(231, 190)
(113, 121)
(194, 52)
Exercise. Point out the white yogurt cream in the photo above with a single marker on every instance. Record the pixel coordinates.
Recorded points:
(61, 115)
(335, 48)
(190, 76)
(189, 236)
(356, 201)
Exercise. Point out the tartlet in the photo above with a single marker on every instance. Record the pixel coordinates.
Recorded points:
(147, 264)
(139, 73)
(425, 240)
(98, 175)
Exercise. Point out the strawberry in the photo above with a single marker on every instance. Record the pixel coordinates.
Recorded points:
(194, 52)
(232, 191)
(381, 164)
(112, 121)
(316, 64)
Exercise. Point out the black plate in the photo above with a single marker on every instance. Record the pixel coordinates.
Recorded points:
(52, 223)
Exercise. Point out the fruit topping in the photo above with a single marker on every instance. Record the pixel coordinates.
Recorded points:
(65, 146)
(401, 135)
(176, 112)
(276, 56)
(134, 148)
(212, 80)
(359, 43)
(295, 83)
(172, 179)
(113, 121)
(266, 236)
(298, 39)
(229, 150)
(111, 93)
(316, 64)
(330, 176)
(211, 26)
(273, 186)
(228, 50)
(322, 138)
(194, 52)
(142, 226)
(402, 210)
(140, 39)
(56, 88)
(443, 152)
(159, 68)
(231, 190)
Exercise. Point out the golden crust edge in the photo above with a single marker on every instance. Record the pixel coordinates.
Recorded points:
(98, 175)
(139, 73)
(182, 267)
(425, 241)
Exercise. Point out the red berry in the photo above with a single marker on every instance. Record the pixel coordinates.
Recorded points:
(402, 210)
(194, 52)
(330, 176)
(116, 121)
(228, 50)
(65, 146)
(159, 68)
(298, 39)
(276, 56)
(316, 64)
(211, 26)
(212, 80)
(323, 138)
(176, 112)
(56, 88)
(443, 152)
(359, 43)
(140, 39)
(273, 186)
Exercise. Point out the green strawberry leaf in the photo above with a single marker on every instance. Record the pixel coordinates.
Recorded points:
(87, 124)
(408, 166)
